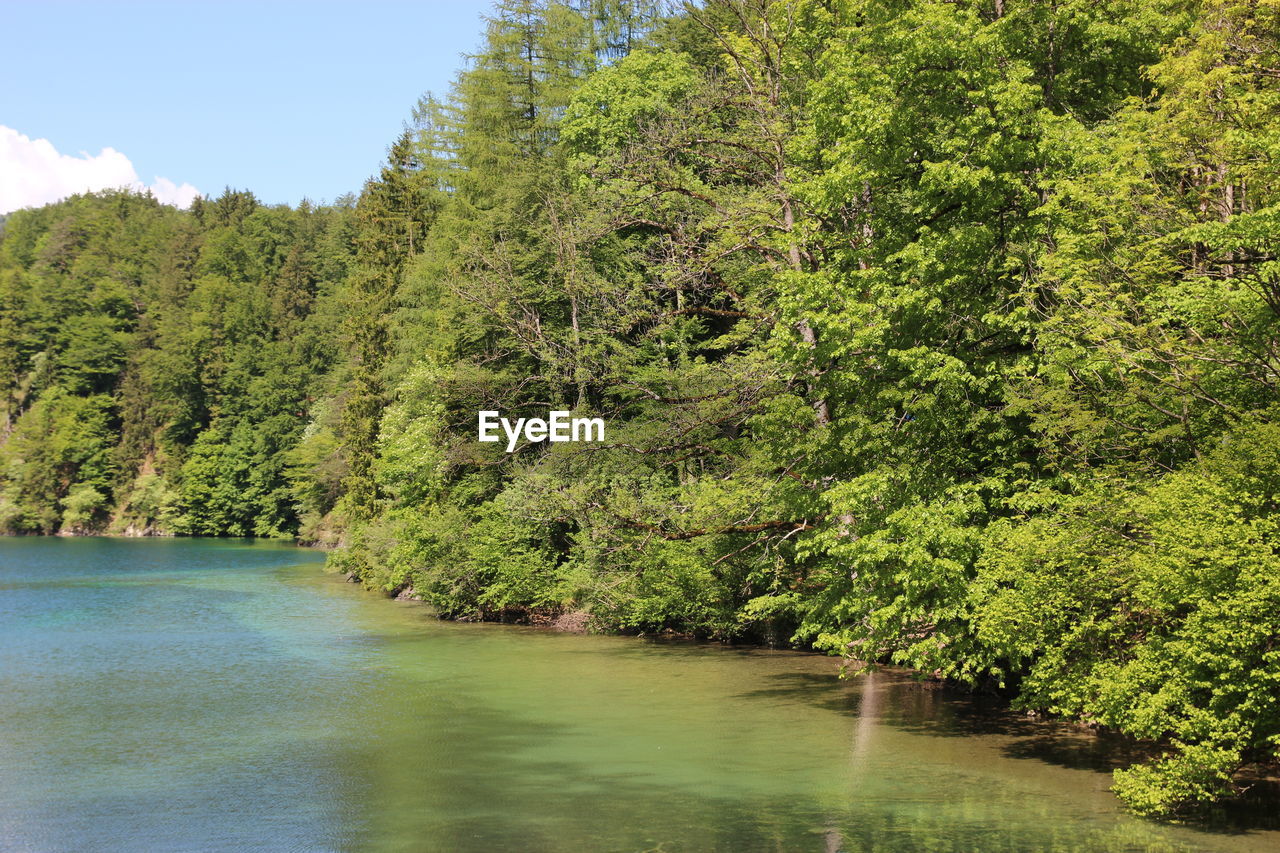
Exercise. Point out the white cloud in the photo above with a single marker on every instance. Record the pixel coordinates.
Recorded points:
(170, 193)
(32, 173)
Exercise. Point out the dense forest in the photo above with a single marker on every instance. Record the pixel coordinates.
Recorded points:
(942, 334)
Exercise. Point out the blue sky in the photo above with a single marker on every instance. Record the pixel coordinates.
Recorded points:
(287, 99)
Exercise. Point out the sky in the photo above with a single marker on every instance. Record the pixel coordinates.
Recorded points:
(284, 98)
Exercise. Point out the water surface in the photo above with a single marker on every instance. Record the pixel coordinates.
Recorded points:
(217, 695)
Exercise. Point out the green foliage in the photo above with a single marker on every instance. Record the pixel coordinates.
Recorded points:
(1149, 611)
(58, 457)
(150, 505)
(83, 508)
(145, 344)
(934, 333)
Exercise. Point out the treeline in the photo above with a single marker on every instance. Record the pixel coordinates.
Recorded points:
(162, 366)
(935, 333)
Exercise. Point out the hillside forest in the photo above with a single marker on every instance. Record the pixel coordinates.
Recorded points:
(936, 334)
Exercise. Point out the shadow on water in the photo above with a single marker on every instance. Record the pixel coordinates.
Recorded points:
(905, 705)
(937, 710)
(931, 710)
(482, 788)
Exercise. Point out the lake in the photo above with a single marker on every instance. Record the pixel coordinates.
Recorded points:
(229, 695)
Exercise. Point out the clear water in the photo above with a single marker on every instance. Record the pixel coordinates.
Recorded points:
(214, 695)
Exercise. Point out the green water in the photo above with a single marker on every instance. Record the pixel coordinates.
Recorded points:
(211, 695)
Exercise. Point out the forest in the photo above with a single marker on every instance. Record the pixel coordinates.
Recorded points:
(936, 334)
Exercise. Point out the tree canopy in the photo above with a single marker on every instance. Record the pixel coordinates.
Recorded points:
(941, 334)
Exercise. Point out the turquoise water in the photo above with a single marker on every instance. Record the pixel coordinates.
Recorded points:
(219, 695)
